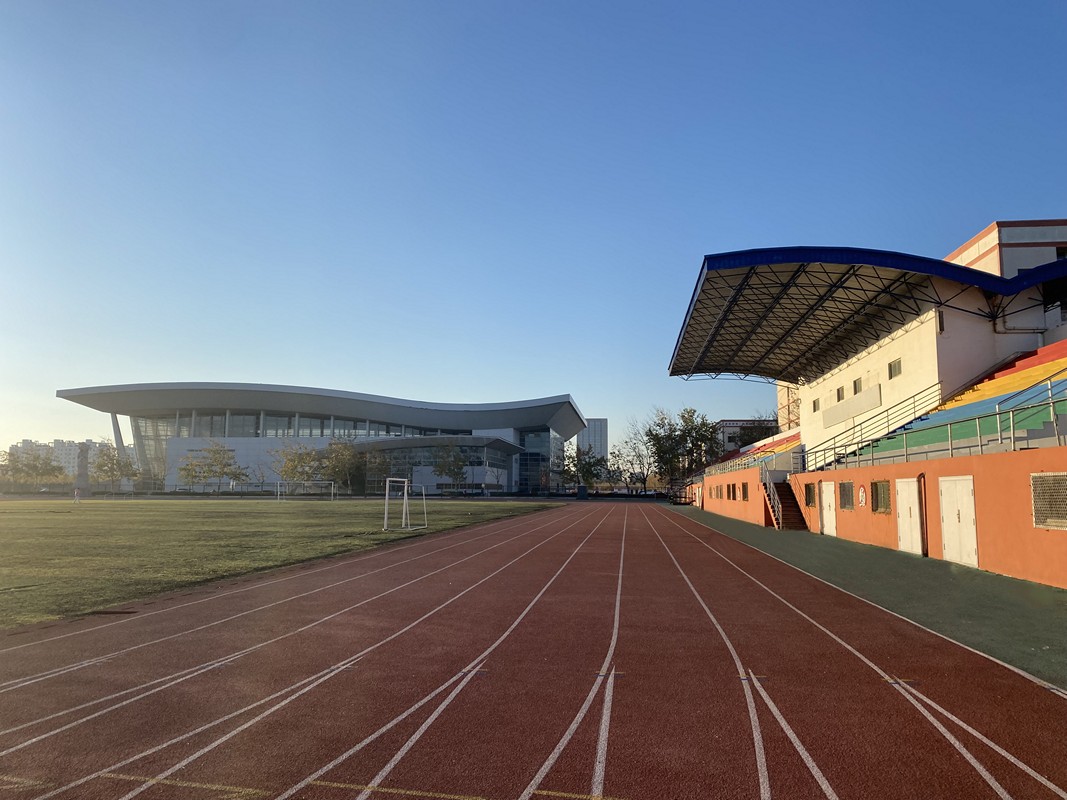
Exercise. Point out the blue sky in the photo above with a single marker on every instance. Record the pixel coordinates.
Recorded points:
(476, 201)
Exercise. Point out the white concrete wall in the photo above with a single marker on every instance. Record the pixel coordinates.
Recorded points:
(912, 344)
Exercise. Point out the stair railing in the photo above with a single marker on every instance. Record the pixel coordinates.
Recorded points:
(883, 422)
(772, 495)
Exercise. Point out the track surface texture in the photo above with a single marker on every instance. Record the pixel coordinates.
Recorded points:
(594, 651)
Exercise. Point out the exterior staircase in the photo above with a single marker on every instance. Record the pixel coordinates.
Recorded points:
(792, 517)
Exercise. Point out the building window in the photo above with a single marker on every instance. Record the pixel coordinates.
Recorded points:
(809, 495)
(840, 393)
(814, 406)
(848, 502)
(880, 497)
(857, 386)
(744, 492)
(1061, 252)
(894, 369)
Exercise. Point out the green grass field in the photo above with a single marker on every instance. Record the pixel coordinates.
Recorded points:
(58, 559)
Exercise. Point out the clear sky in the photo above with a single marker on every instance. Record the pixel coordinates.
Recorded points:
(476, 201)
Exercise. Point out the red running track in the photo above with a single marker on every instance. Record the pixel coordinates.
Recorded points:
(595, 651)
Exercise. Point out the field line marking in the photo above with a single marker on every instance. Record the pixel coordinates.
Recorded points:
(231, 792)
(1017, 670)
(809, 762)
(753, 718)
(240, 653)
(340, 667)
(956, 743)
(430, 720)
(891, 681)
(259, 585)
(591, 695)
(986, 741)
(470, 668)
(108, 710)
(26, 680)
(408, 792)
(597, 788)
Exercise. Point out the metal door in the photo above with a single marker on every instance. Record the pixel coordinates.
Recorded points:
(959, 529)
(827, 508)
(909, 522)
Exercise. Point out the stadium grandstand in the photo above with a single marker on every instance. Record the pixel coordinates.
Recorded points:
(923, 402)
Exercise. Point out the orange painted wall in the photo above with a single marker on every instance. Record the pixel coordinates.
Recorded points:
(752, 510)
(1008, 542)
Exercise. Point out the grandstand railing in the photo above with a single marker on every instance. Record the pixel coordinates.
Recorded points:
(971, 442)
(874, 427)
(772, 495)
(1051, 386)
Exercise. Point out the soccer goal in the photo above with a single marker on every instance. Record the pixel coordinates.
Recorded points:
(399, 493)
(321, 490)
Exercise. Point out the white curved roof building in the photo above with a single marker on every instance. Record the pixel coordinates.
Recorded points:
(512, 442)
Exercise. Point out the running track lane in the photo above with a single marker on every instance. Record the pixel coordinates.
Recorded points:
(693, 605)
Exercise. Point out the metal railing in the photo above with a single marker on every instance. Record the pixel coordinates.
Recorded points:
(1023, 396)
(772, 495)
(964, 437)
(879, 424)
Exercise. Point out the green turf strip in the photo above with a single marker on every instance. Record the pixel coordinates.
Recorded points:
(60, 559)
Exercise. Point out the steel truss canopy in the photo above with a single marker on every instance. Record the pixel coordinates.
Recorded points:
(794, 313)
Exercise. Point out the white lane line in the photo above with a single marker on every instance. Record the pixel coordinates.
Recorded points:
(27, 680)
(258, 585)
(320, 677)
(108, 710)
(1032, 678)
(963, 751)
(583, 710)
(253, 648)
(329, 672)
(480, 659)
(597, 787)
(809, 762)
(430, 720)
(1056, 790)
(757, 735)
(878, 670)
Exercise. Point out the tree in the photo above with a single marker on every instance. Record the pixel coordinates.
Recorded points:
(111, 467)
(580, 466)
(212, 463)
(763, 425)
(342, 463)
(32, 466)
(451, 463)
(632, 456)
(298, 463)
(681, 445)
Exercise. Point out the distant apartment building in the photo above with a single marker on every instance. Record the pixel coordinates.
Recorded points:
(65, 453)
(595, 436)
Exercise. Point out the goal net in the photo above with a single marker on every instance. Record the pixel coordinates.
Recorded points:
(403, 501)
(320, 490)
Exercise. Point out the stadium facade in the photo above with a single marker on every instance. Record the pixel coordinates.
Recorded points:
(923, 401)
(509, 446)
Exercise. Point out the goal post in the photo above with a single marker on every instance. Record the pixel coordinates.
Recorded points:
(399, 493)
(322, 490)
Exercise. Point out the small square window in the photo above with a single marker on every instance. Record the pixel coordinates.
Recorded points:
(840, 393)
(848, 502)
(857, 386)
(814, 406)
(880, 497)
(809, 495)
(894, 369)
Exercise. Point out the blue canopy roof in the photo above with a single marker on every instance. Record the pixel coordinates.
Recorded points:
(794, 313)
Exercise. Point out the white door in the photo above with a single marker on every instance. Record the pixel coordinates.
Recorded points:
(827, 508)
(909, 523)
(959, 531)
